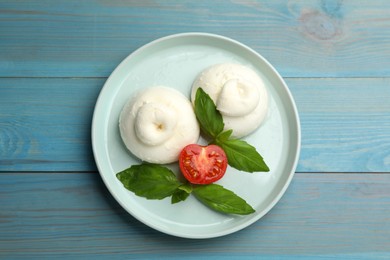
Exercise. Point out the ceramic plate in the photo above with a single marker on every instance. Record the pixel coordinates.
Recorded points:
(175, 61)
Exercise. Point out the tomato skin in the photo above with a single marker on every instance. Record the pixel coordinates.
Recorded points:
(202, 164)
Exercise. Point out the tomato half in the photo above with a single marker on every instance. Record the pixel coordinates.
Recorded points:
(202, 164)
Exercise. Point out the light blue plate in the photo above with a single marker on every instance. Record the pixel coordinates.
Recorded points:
(175, 61)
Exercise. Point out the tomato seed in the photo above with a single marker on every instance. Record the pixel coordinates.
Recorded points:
(215, 170)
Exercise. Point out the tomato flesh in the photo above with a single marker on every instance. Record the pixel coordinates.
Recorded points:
(202, 164)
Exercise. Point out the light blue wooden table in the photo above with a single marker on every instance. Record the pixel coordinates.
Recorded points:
(55, 57)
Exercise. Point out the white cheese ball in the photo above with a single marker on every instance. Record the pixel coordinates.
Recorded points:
(238, 93)
(157, 123)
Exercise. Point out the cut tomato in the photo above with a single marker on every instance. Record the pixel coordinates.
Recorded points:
(202, 164)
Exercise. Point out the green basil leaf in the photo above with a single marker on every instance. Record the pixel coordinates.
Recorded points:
(224, 136)
(149, 180)
(242, 155)
(186, 187)
(210, 119)
(181, 193)
(222, 200)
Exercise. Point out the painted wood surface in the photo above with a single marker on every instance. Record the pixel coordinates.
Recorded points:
(300, 38)
(324, 215)
(56, 56)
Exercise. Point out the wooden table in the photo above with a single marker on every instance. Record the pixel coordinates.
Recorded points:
(56, 56)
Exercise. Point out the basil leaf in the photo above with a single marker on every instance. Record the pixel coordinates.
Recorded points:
(210, 119)
(149, 180)
(222, 200)
(224, 136)
(242, 155)
(181, 193)
(186, 187)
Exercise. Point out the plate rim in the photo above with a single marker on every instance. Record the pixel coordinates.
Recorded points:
(296, 120)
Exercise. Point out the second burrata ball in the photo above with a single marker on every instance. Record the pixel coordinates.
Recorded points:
(157, 123)
(238, 93)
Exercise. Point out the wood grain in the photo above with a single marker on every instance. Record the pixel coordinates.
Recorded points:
(55, 58)
(46, 123)
(345, 124)
(73, 215)
(89, 38)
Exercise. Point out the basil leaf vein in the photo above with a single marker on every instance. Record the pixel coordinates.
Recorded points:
(224, 136)
(222, 200)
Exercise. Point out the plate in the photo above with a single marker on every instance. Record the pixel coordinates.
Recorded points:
(175, 61)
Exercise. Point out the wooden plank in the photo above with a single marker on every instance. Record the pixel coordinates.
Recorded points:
(345, 124)
(45, 124)
(73, 215)
(89, 38)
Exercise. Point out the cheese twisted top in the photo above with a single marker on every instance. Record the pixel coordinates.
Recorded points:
(238, 93)
(157, 123)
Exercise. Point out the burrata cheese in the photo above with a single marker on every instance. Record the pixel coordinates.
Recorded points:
(157, 123)
(238, 93)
